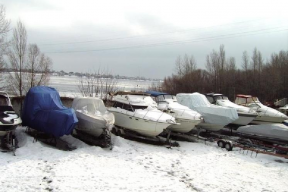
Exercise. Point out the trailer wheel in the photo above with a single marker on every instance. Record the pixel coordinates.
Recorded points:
(221, 143)
(115, 131)
(228, 146)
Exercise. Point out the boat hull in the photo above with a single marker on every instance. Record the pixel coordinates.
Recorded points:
(244, 119)
(210, 126)
(90, 124)
(268, 120)
(184, 125)
(144, 127)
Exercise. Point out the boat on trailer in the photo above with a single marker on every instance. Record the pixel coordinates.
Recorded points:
(265, 114)
(136, 114)
(246, 115)
(270, 132)
(9, 120)
(215, 117)
(94, 121)
(186, 118)
(46, 118)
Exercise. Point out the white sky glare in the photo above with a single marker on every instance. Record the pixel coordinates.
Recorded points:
(144, 38)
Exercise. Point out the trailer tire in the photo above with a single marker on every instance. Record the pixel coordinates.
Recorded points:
(115, 131)
(221, 143)
(228, 146)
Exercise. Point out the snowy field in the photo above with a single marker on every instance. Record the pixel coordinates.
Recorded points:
(134, 166)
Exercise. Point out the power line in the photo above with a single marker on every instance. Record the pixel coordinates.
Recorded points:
(262, 31)
(139, 36)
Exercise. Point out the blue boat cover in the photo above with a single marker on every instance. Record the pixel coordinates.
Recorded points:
(156, 93)
(44, 111)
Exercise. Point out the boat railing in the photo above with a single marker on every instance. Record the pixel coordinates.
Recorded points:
(144, 115)
(252, 110)
(266, 113)
(182, 111)
(161, 116)
(147, 112)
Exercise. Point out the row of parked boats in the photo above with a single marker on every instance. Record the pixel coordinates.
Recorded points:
(146, 114)
(185, 111)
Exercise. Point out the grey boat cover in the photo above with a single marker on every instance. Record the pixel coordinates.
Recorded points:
(277, 130)
(94, 107)
(211, 113)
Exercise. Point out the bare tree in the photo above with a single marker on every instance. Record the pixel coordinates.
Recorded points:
(31, 68)
(4, 29)
(178, 65)
(245, 61)
(99, 84)
(185, 65)
(16, 56)
(37, 68)
(213, 68)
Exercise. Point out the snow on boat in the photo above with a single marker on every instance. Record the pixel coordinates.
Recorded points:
(9, 119)
(246, 115)
(186, 118)
(273, 132)
(265, 114)
(138, 113)
(215, 117)
(92, 115)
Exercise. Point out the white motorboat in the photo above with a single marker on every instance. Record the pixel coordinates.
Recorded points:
(246, 115)
(284, 109)
(186, 118)
(138, 113)
(215, 117)
(9, 119)
(265, 114)
(93, 117)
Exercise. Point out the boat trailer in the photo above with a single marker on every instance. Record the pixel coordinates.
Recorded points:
(255, 144)
(134, 136)
(9, 142)
(104, 140)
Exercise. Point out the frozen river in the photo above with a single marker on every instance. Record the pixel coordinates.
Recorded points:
(69, 84)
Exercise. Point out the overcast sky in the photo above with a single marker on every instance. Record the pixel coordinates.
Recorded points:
(144, 38)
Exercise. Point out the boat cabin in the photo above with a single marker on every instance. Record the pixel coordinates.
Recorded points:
(128, 107)
(213, 97)
(133, 102)
(4, 99)
(246, 99)
(161, 97)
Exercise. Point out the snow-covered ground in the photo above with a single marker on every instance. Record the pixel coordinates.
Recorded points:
(134, 166)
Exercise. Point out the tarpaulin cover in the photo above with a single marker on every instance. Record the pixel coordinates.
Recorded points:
(44, 111)
(211, 113)
(277, 131)
(155, 93)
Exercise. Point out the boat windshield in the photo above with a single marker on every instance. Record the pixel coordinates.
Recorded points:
(3, 101)
(162, 98)
(138, 107)
(169, 97)
(252, 99)
(241, 101)
(128, 107)
(221, 97)
(210, 99)
(255, 99)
